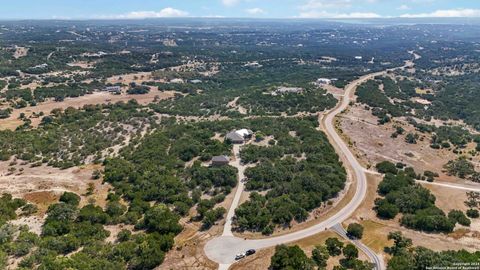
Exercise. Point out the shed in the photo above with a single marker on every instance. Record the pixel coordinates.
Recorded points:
(220, 160)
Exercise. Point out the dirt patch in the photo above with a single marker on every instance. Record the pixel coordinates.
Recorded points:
(34, 223)
(115, 229)
(43, 184)
(42, 199)
(138, 78)
(82, 64)
(448, 198)
(188, 250)
(373, 143)
(20, 52)
(96, 98)
(335, 91)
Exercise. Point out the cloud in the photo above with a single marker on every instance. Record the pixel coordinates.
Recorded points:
(332, 8)
(255, 11)
(446, 13)
(352, 15)
(403, 7)
(164, 13)
(230, 3)
(319, 4)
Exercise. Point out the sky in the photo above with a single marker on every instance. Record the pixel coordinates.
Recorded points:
(140, 9)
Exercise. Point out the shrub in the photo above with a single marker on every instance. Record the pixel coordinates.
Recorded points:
(386, 167)
(473, 213)
(459, 217)
(355, 230)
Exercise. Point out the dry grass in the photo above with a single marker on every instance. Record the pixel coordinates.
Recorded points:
(448, 198)
(42, 199)
(372, 143)
(261, 259)
(373, 236)
(96, 98)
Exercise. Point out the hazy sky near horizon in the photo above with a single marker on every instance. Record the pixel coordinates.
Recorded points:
(138, 9)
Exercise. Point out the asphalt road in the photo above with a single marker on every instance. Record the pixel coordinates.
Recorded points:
(374, 258)
(224, 248)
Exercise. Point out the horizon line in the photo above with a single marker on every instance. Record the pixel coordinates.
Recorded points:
(234, 18)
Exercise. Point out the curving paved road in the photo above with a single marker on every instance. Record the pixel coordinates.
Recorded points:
(223, 249)
(377, 260)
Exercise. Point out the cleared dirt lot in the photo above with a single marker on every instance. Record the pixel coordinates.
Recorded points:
(96, 98)
(372, 144)
(43, 185)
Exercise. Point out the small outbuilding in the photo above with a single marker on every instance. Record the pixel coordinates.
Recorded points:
(220, 160)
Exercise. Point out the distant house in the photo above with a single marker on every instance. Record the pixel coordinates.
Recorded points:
(220, 160)
(113, 89)
(196, 81)
(246, 133)
(284, 90)
(239, 136)
(324, 81)
(234, 137)
(253, 65)
(177, 80)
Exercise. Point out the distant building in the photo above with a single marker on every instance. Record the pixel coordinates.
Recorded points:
(253, 65)
(245, 133)
(44, 65)
(177, 80)
(196, 81)
(113, 89)
(234, 137)
(284, 90)
(358, 57)
(220, 160)
(239, 136)
(324, 81)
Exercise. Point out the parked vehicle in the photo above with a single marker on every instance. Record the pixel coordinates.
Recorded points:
(250, 252)
(240, 256)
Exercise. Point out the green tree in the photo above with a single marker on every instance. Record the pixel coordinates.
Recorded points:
(290, 258)
(160, 219)
(355, 230)
(320, 256)
(459, 217)
(386, 167)
(70, 198)
(334, 246)
(399, 242)
(350, 252)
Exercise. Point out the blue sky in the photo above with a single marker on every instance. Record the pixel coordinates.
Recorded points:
(137, 9)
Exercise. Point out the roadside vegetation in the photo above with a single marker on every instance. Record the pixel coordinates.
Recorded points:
(399, 194)
(298, 171)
